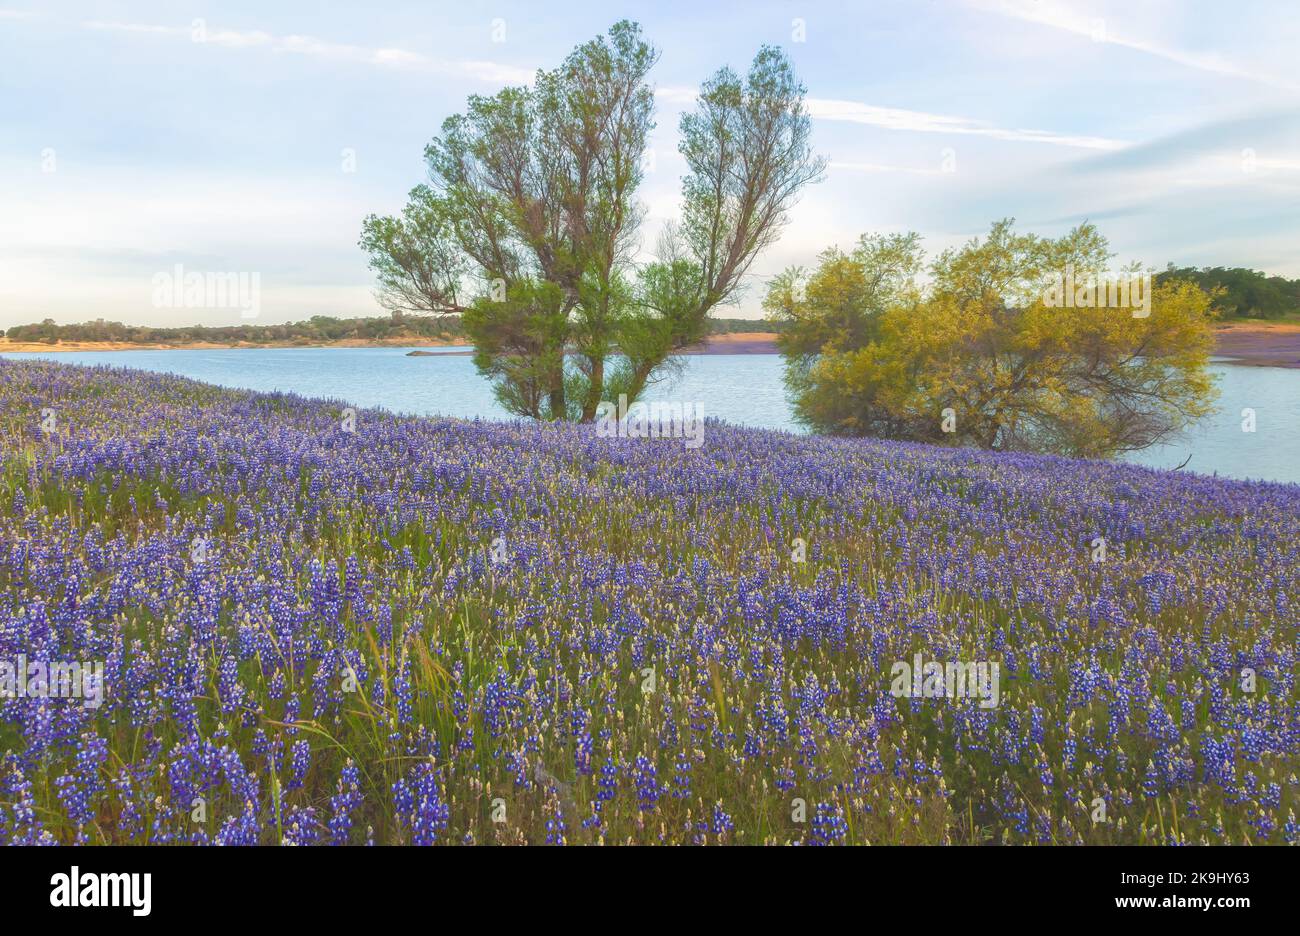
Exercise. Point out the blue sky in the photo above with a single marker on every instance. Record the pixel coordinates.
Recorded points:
(128, 147)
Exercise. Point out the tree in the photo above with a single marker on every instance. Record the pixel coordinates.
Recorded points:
(528, 227)
(1239, 292)
(984, 355)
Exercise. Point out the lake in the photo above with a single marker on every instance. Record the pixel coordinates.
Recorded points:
(744, 389)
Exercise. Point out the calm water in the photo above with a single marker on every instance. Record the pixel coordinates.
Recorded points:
(743, 389)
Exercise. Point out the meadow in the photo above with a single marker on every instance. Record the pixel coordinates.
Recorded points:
(326, 626)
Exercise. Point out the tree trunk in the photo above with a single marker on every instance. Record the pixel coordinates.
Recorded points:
(595, 388)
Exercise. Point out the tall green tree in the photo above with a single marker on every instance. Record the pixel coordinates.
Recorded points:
(528, 227)
(982, 354)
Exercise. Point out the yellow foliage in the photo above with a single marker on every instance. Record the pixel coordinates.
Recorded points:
(993, 343)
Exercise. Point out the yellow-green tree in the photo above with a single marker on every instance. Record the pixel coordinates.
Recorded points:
(1015, 343)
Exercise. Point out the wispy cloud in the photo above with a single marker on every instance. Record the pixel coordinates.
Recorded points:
(896, 118)
(404, 59)
(893, 118)
(1060, 15)
(1268, 140)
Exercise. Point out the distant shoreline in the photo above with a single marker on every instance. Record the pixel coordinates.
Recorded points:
(1258, 344)
(732, 343)
(1254, 344)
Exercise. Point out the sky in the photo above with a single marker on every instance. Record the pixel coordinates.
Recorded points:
(253, 138)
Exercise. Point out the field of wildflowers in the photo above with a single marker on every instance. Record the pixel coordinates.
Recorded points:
(324, 627)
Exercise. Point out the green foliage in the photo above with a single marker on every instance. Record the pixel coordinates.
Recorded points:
(413, 257)
(981, 357)
(528, 227)
(519, 342)
(1241, 293)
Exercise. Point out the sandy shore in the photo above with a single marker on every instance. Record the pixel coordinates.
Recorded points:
(737, 343)
(1259, 344)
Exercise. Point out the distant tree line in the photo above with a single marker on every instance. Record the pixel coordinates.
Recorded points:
(319, 328)
(316, 330)
(1239, 292)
